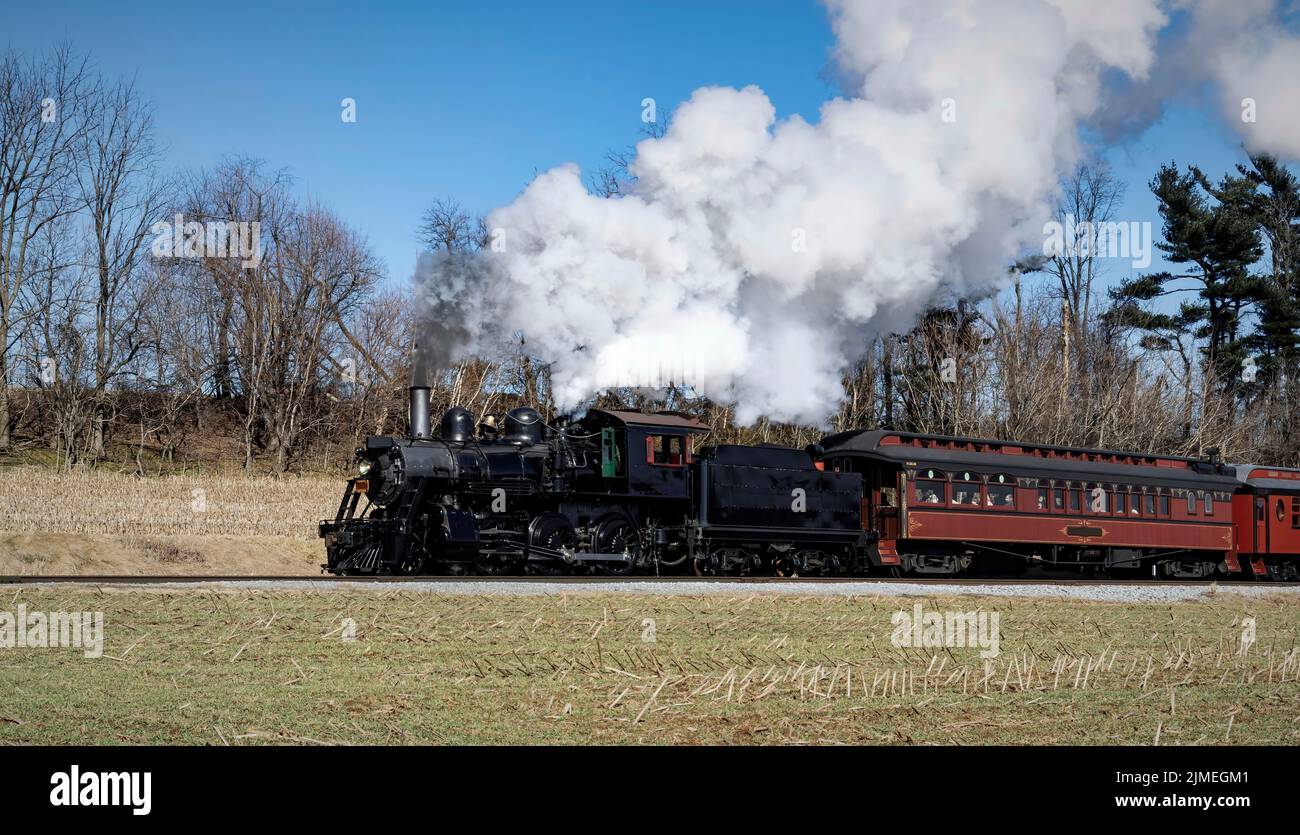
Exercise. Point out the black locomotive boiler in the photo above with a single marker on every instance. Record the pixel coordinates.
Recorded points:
(615, 492)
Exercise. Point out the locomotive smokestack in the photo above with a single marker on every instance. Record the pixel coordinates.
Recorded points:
(419, 412)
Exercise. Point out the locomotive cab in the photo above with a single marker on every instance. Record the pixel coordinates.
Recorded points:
(640, 454)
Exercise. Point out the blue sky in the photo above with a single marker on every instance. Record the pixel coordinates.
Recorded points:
(468, 100)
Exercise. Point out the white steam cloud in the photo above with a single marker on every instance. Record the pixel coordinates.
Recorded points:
(754, 258)
(1254, 61)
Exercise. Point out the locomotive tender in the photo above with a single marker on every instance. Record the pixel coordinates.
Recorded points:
(619, 492)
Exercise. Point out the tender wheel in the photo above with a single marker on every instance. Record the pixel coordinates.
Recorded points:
(814, 563)
(728, 562)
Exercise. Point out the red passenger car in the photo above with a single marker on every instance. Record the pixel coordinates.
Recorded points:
(941, 505)
(1266, 519)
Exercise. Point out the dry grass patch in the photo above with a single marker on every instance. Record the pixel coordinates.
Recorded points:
(33, 499)
(224, 667)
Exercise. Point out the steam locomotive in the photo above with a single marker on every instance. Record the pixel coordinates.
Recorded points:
(618, 492)
(612, 493)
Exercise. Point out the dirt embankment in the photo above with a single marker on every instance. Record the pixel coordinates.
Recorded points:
(64, 553)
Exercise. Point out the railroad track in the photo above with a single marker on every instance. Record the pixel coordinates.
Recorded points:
(130, 579)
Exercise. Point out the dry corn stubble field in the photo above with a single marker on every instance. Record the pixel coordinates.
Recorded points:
(247, 667)
(107, 523)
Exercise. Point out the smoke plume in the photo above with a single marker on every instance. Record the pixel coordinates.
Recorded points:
(754, 258)
(450, 299)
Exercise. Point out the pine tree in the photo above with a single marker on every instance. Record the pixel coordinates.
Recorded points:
(1269, 194)
(1216, 241)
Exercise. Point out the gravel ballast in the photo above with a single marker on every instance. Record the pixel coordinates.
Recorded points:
(1118, 593)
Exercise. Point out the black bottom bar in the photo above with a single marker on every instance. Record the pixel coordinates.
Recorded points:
(309, 784)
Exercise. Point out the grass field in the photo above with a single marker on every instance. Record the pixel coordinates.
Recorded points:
(101, 522)
(248, 667)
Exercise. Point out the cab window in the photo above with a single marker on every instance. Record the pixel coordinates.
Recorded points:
(665, 450)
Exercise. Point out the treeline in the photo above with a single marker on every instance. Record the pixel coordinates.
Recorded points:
(153, 321)
(146, 316)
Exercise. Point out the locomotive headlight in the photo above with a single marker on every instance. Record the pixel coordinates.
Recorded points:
(364, 467)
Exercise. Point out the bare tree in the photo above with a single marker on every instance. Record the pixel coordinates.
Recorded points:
(116, 159)
(1089, 197)
(446, 227)
(42, 107)
(319, 271)
(614, 176)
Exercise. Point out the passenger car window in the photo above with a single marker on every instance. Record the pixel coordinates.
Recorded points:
(1002, 495)
(966, 489)
(929, 491)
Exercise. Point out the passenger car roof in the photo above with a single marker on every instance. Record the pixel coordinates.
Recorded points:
(1032, 460)
(1267, 478)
